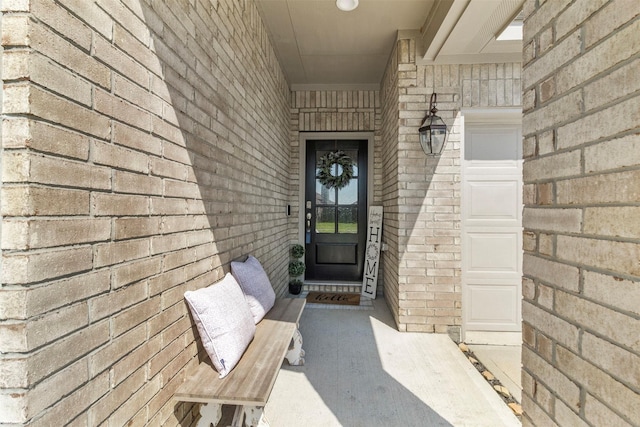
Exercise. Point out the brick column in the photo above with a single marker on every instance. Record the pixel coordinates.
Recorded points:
(581, 308)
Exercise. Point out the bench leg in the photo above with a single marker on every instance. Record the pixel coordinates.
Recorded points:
(295, 355)
(210, 415)
(253, 416)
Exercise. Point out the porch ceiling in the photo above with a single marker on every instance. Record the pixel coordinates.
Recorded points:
(321, 47)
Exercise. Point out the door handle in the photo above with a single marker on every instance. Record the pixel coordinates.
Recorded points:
(308, 229)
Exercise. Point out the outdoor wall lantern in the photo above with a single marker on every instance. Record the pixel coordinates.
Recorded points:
(347, 5)
(433, 131)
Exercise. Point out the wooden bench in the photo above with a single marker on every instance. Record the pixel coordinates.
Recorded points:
(249, 384)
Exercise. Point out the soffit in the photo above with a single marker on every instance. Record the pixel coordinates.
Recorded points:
(321, 47)
(318, 44)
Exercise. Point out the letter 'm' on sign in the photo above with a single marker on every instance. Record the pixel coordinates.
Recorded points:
(372, 253)
(370, 268)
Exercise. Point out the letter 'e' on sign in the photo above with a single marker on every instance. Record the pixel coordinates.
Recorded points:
(372, 253)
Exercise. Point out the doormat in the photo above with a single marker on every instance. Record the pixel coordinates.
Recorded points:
(333, 298)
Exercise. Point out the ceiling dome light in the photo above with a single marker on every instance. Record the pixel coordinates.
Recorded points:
(347, 5)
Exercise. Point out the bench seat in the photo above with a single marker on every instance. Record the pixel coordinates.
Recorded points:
(249, 384)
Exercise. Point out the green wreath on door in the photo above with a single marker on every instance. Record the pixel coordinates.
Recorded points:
(325, 170)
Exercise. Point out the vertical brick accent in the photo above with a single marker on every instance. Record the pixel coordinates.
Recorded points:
(421, 194)
(389, 260)
(581, 298)
(145, 145)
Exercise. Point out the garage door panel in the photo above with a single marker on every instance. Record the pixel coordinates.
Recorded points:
(494, 201)
(493, 308)
(492, 252)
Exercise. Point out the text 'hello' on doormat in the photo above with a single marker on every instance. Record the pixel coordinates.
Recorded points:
(333, 298)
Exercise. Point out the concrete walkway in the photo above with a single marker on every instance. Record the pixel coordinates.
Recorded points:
(360, 371)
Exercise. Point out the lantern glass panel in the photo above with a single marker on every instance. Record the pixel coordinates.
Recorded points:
(438, 136)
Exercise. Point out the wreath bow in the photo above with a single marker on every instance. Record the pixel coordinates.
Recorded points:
(325, 166)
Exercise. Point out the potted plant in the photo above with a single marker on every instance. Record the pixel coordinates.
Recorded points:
(296, 269)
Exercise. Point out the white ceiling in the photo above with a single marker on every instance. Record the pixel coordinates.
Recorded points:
(321, 47)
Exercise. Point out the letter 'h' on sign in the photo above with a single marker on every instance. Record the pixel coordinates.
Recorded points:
(372, 254)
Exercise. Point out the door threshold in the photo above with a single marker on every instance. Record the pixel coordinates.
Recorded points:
(332, 286)
(332, 282)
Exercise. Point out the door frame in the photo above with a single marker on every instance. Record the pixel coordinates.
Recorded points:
(485, 117)
(302, 139)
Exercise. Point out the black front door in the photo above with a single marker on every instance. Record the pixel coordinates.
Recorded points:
(335, 218)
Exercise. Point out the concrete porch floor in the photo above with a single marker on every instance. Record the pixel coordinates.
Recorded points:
(360, 371)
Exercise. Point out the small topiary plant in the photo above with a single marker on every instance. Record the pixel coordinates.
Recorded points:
(296, 268)
(297, 251)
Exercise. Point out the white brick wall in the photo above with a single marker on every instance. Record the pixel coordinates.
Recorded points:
(581, 295)
(145, 145)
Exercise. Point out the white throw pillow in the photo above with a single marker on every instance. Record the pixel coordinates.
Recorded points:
(256, 286)
(224, 322)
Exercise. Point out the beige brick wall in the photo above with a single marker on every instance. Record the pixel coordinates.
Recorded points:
(144, 146)
(581, 308)
(335, 110)
(422, 194)
(389, 260)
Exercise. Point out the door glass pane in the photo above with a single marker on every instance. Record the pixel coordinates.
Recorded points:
(325, 220)
(349, 195)
(484, 144)
(348, 219)
(324, 195)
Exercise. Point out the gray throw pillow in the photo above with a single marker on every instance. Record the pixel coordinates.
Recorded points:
(256, 286)
(224, 322)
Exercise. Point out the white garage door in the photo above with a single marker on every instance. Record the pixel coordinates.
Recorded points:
(491, 232)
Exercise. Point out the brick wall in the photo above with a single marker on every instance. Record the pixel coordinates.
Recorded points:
(144, 146)
(334, 110)
(389, 162)
(422, 202)
(581, 308)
